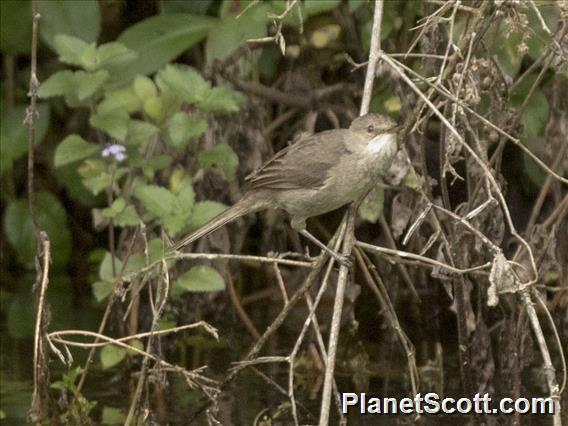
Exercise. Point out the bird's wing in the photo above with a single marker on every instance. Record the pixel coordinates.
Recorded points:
(303, 165)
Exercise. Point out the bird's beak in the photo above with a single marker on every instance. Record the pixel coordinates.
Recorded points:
(396, 128)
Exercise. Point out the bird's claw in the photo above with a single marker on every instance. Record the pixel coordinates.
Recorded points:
(344, 260)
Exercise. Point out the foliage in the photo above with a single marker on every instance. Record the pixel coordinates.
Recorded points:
(146, 126)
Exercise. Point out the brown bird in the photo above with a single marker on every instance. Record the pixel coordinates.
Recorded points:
(316, 175)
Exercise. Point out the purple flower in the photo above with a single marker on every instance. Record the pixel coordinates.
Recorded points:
(117, 151)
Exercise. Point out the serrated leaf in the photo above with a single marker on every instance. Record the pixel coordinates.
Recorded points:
(200, 279)
(113, 57)
(139, 132)
(182, 128)
(79, 18)
(74, 51)
(111, 355)
(120, 99)
(127, 217)
(221, 159)
(220, 99)
(160, 39)
(204, 211)
(186, 82)
(156, 199)
(79, 84)
(73, 148)
(115, 123)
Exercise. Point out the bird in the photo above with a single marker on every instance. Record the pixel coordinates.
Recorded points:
(316, 175)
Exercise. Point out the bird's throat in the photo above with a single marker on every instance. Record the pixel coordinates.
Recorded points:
(380, 142)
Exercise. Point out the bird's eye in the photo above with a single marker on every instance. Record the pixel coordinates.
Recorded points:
(370, 128)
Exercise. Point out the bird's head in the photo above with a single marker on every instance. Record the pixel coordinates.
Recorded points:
(374, 124)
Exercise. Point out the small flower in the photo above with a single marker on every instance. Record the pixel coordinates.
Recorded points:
(117, 151)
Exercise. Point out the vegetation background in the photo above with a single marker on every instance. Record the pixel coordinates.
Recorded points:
(150, 114)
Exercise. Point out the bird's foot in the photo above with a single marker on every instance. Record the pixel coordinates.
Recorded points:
(344, 260)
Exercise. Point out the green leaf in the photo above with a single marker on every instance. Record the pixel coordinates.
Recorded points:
(182, 128)
(79, 84)
(75, 51)
(73, 148)
(114, 57)
(221, 99)
(112, 355)
(14, 134)
(221, 159)
(199, 279)
(139, 132)
(124, 99)
(156, 199)
(116, 207)
(102, 290)
(536, 114)
(127, 217)
(227, 35)
(15, 27)
(115, 123)
(186, 82)
(160, 39)
(51, 217)
(506, 50)
(97, 184)
(204, 211)
(79, 18)
(372, 206)
(105, 268)
(112, 416)
(144, 87)
(176, 220)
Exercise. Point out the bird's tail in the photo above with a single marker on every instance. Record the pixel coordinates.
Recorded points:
(245, 206)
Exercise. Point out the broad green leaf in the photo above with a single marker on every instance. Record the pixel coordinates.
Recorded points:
(102, 290)
(308, 8)
(182, 128)
(372, 206)
(227, 35)
(127, 217)
(540, 39)
(154, 108)
(124, 99)
(199, 279)
(20, 315)
(51, 217)
(73, 148)
(112, 355)
(115, 208)
(135, 343)
(97, 184)
(221, 99)
(58, 84)
(204, 211)
(114, 57)
(114, 123)
(144, 87)
(15, 27)
(75, 51)
(221, 159)
(14, 134)
(186, 82)
(156, 199)
(105, 268)
(160, 39)
(177, 219)
(78, 84)
(139, 132)
(79, 18)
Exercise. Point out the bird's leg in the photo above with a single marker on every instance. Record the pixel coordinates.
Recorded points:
(341, 258)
